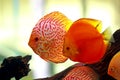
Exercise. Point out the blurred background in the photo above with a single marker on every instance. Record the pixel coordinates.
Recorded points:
(18, 17)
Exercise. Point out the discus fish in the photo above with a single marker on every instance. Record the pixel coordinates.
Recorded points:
(47, 37)
(114, 66)
(81, 73)
(84, 42)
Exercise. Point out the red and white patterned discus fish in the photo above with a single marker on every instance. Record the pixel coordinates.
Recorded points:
(47, 37)
(82, 73)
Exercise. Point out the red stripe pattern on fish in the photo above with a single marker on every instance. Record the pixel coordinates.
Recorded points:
(82, 73)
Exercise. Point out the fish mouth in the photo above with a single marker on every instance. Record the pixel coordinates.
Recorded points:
(32, 46)
(29, 44)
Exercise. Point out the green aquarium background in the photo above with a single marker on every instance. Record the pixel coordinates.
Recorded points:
(18, 17)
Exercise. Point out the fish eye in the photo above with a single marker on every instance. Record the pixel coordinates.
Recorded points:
(36, 39)
(112, 68)
(67, 48)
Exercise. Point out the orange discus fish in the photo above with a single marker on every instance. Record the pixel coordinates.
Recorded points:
(114, 66)
(83, 41)
(47, 37)
(82, 73)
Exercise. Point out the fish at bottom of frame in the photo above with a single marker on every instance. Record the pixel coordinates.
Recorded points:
(82, 73)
